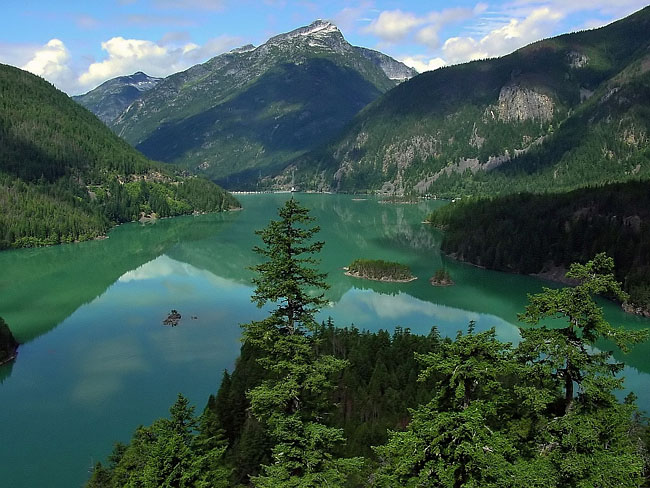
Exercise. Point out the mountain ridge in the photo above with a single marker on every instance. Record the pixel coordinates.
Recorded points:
(250, 110)
(110, 98)
(478, 127)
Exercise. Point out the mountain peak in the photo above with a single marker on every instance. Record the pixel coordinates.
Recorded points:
(243, 49)
(318, 28)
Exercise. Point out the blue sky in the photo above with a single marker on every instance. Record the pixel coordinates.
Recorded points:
(79, 44)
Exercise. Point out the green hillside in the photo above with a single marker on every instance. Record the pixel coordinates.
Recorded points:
(528, 233)
(65, 177)
(555, 115)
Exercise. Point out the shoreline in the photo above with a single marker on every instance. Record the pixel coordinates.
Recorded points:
(553, 275)
(102, 237)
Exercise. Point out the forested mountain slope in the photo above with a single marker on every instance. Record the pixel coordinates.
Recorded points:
(246, 112)
(64, 176)
(537, 233)
(555, 115)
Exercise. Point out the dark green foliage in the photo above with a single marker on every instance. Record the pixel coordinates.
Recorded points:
(65, 177)
(567, 351)
(290, 273)
(503, 417)
(455, 439)
(293, 399)
(8, 344)
(377, 269)
(372, 394)
(530, 234)
(171, 453)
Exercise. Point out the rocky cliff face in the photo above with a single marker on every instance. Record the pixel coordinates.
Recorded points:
(557, 114)
(517, 104)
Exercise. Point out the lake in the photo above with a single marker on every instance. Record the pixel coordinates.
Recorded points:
(96, 361)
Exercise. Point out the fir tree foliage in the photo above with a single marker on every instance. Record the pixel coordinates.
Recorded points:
(289, 274)
(504, 417)
(168, 454)
(455, 440)
(568, 350)
(293, 402)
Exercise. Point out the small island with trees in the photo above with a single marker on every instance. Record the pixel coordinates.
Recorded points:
(379, 270)
(8, 345)
(441, 278)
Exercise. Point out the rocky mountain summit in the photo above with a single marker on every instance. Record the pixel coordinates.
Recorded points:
(109, 99)
(244, 114)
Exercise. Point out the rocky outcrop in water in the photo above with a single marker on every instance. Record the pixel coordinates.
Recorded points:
(173, 318)
(8, 344)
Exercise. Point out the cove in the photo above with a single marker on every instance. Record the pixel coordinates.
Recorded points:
(96, 361)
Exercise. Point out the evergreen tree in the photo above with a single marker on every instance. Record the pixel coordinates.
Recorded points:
(455, 439)
(293, 402)
(593, 441)
(168, 454)
(511, 418)
(568, 352)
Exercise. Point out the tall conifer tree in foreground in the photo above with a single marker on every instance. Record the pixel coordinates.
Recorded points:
(589, 439)
(294, 401)
(509, 418)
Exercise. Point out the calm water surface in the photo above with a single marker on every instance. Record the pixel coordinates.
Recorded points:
(96, 361)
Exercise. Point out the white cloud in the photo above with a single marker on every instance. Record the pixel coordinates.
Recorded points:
(17, 54)
(421, 63)
(51, 62)
(393, 25)
(505, 39)
(615, 9)
(125, 56)
(171, 54)
(428, 36)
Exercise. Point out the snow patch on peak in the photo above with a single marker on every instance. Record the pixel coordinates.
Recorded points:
(318, 28)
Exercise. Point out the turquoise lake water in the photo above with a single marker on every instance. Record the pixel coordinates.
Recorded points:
(96, 361)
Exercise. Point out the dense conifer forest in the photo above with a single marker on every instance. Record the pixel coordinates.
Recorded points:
(533, 233)
(313, 405)
(64, 176)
